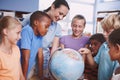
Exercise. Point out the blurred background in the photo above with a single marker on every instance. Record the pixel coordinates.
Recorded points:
(93, 10)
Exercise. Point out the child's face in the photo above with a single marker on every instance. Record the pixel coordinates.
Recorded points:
(114, 51)
(43, 26)
(77, 27)
(14, 34)
(95, 45)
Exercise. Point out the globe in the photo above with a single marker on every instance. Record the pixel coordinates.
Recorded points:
(66, 64)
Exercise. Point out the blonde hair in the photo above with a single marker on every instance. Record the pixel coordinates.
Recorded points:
(79, 17)
(7, 22)
(111, 21)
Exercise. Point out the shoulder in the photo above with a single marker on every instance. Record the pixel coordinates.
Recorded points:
(65, 38)
(27, 27)
(15, 48)
(104, 47)
(27, 30)
(85, 37)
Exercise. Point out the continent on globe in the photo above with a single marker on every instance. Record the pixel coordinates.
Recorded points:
(71, 54)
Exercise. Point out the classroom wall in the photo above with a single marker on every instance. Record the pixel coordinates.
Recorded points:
(19, 5)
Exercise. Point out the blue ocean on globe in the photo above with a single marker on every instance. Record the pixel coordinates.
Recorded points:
(66, 64)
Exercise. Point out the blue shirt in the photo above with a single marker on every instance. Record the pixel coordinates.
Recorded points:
(53, 31)
(105, 65)
(31, 42)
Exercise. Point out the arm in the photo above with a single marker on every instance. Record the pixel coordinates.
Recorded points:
(55, 44)
(62, 46)
(40, 63)
(90, 58)
(25, 61)
(21, 73)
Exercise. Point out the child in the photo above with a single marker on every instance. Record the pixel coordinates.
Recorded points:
(106, 66)
(96, 41)
(77, 40)
(10, 68)
(31, 44)
(114, 51)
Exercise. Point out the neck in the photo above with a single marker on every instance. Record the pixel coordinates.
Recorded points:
(6, 47)
(35, 30)
(76, 37)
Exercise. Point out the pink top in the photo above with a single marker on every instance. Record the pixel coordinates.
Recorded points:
(10, 65)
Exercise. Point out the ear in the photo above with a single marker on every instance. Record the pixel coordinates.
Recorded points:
(117, 47)
(5, 31)
(52, 6)
(35, 22)
(118, 51)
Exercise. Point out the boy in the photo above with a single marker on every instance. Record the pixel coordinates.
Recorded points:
(31, 43)
(96, 41)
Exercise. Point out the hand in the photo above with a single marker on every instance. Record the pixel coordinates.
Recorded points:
(84, 51)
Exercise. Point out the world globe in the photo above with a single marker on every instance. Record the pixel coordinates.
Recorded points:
(66, 64)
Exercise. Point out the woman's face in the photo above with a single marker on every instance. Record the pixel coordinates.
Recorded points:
(58, 13)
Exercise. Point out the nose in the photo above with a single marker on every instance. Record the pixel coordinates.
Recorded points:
(61, 17)
(92, 46)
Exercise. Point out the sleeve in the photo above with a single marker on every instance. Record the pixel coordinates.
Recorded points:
(26, 39)
(87, 40)
(58, 31)
(62, 40)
